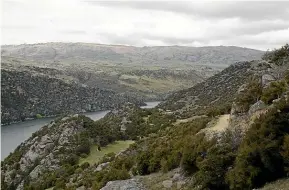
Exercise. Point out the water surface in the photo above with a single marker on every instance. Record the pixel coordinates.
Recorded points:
(14, 134)
(151, 104)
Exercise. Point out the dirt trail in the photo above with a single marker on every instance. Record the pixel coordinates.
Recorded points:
(222, 123)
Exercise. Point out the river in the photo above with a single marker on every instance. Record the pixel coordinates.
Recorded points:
(16, 133)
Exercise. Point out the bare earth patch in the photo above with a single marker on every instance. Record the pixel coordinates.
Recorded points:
(217, 126)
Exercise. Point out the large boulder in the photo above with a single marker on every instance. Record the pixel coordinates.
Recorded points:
(130, 184)
(257, 106)
(167, 184)
(266, 79)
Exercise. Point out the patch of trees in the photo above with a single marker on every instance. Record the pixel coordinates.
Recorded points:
(278, 56)
(261, 157)
(250, 94)
(274, 91)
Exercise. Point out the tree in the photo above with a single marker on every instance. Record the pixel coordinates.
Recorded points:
(251, 93)
(259, 159)
(273, 91)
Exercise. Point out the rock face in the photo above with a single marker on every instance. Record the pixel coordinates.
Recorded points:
(26, 94)
(130, 184)
(44, 151)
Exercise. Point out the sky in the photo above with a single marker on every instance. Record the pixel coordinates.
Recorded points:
(259, 25)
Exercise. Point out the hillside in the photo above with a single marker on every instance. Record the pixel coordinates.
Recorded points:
(238, 138)
(30, 92)
(150, 72)
(220, 87)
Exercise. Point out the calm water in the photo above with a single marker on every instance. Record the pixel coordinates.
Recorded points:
(150, 105)
(14, 134)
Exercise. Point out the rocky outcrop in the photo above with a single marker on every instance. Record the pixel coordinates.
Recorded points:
(266, 79)
(26, 95)
(257, 106)
(220, 89)
(44, 151)
(130, 184)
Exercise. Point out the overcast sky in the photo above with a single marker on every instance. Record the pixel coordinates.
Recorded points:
(260, 25)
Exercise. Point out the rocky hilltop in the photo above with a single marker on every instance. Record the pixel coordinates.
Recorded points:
(149, 72)
(52, 52)
(31, 92)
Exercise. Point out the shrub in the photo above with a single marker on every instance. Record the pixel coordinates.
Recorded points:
(273, 91)
(70, 159)
(213, 168)
(277, 56)
(259, 158)
(250, 95)
(218, 110)
(39, 116)
(60, 184)
(285, 153)
(195, 150)
(164, 165)
(85, 165)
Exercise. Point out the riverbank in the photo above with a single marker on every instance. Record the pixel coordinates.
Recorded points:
(14, 134)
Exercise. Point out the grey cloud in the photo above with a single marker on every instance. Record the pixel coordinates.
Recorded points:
(245, 10)
(244, 29)
(260, 27)
(247, 40)
(262, 44)
(138, 38)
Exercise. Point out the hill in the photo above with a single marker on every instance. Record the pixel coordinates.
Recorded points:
(151, 72)
(30, 92)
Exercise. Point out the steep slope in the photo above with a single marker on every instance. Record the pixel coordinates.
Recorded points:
(217, 90)
(151, 72)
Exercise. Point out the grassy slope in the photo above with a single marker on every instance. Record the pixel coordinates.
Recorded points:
(96, 155)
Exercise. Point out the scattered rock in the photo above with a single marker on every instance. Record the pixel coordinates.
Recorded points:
(130, 184)
(177, 177)
(101, 166)
(81, 188)
(180, 184)
(167, 183)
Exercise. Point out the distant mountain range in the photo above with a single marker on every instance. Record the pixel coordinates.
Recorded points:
(149, 72)
(220, 56)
